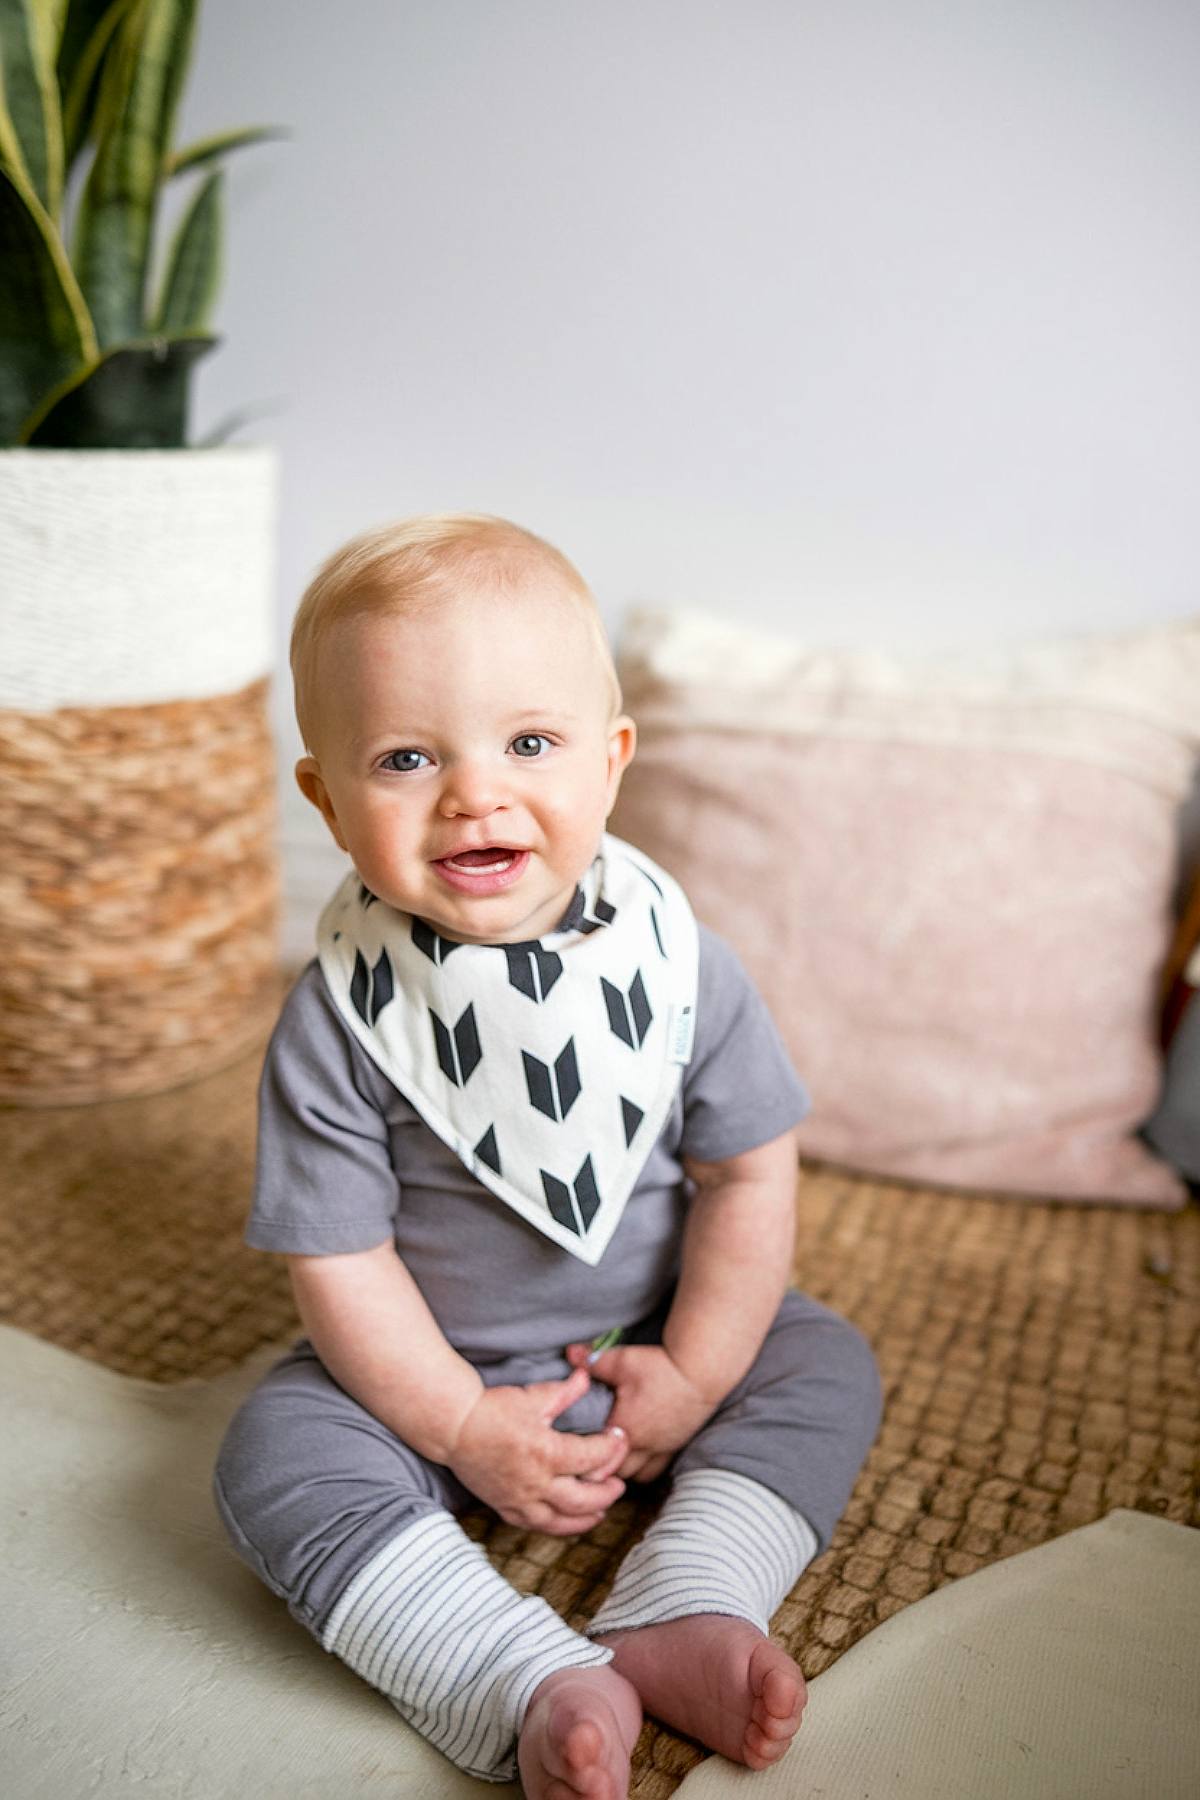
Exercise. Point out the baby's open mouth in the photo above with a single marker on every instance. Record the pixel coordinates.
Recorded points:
(483, 862)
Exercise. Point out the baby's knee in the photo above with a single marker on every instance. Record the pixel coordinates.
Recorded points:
(246, 1457)
(309, 1487)
(239, 1495)
(817, 1344)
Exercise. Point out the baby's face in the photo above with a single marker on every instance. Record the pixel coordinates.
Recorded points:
(466, 759)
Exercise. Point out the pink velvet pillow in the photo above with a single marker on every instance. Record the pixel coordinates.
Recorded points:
(953, 885)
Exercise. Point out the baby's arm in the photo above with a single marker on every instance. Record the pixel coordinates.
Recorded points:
(736, 1261)
(374, 1332)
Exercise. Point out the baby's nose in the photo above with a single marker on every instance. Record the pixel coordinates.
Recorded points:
(477, 788)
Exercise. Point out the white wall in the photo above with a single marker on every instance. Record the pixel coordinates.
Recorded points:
(877, 320)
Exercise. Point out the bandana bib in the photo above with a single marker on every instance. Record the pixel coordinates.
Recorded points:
(547, 1066)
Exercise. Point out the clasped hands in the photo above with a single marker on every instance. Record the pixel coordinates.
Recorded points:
(561, 1482)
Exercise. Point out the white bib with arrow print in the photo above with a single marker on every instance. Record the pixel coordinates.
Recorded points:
(548, 1066)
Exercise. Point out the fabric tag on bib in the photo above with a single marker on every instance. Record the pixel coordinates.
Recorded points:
(681, 1032)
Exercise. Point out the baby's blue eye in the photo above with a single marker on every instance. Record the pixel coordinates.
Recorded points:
(527, 744)
(401, 761)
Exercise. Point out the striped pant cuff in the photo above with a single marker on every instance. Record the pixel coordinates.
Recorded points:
(456, 1649)
(721, 1544)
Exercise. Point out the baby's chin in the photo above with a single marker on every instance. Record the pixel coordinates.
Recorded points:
(530, 929)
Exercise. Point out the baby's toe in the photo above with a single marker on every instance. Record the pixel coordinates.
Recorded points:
(760, 1749)
(581, 1750)
(774, 1727)
(779, 1695)
(779, 1691)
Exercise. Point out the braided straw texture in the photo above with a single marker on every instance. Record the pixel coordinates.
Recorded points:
(1039, 1362)
(139, 895)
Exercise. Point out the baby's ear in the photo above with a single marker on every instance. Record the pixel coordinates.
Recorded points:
(622, 742)
(311, 784)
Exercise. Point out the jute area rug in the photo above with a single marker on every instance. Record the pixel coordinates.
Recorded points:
(1039, 1360)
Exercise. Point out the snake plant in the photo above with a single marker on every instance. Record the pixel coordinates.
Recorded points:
(96, 350)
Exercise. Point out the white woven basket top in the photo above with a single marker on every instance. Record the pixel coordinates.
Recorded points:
(134, 576)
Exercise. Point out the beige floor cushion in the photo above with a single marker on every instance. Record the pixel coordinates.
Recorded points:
(140, 1658)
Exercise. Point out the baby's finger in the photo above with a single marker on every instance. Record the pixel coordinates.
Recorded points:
(594, 1457)
(554, 1397)
(605, 1365)
(569, 1495)
(619, 1441)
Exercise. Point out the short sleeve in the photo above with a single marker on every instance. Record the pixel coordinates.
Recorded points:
(740, 1089)
(324, 1183)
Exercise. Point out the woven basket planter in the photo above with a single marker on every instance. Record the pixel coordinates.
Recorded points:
(139, 888)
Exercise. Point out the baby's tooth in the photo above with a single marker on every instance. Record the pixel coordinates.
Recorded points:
(503, 862)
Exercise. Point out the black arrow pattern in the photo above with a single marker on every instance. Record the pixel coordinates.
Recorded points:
(487, 1152)
(605, 913)
(459, 1053)
(431, 944)
(371, 989)
(532, 970)
(631, 1118)
(629, 1016)
(553, 1091)
(576, 1206)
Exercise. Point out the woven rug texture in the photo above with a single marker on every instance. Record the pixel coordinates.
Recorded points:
(1039, 1360)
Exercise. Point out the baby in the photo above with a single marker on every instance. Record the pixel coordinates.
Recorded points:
(522, 1103)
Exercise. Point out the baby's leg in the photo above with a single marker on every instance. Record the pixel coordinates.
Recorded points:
(356, 1533)
(755, 1495)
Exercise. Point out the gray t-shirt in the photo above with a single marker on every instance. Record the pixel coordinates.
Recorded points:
(345, 1163)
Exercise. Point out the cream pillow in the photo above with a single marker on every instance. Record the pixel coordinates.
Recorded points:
(952, 883)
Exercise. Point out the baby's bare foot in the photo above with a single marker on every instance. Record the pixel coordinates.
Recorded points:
(579, 1731)
(718, 1680)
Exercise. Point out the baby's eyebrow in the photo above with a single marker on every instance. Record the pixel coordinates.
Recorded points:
(551, 715)
(528, 715)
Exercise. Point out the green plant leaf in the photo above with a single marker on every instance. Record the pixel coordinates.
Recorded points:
(31, 134)
(90, 28)
(55, 12)
(45, 331)
(206, 150)
(138, 97)
(80, 23)
(134, 397)
(194, 263)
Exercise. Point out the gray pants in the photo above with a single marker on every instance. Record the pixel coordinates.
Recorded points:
(311, 1486)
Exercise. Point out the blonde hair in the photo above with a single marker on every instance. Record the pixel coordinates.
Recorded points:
(417, 563)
